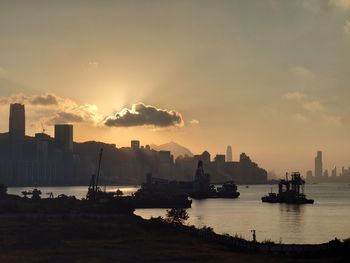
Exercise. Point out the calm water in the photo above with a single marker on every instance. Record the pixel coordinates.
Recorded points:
(328, 218)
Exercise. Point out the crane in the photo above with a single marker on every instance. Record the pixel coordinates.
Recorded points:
(93, 187)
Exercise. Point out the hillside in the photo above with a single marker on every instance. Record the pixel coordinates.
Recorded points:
(174, 148)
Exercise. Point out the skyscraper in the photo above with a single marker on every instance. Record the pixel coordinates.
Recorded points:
(318, 165)
(17, 130)
(17, 122)
(229, 154)
(64, 137)
(135, 145)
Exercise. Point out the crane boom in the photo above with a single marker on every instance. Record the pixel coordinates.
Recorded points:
(98, 169)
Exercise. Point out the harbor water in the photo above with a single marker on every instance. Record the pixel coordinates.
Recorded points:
(326, 219)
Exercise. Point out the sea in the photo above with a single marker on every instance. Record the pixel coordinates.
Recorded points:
(326, 219)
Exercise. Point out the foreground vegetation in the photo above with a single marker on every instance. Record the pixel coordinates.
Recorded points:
(118, 238)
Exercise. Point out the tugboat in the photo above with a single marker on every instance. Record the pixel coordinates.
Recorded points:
(289, 192)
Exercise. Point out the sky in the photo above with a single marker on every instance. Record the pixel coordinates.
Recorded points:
(270, 78)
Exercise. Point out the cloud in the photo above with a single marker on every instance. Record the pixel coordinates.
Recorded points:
(295, 95)
(332, 120)
(310, 109)
(347, 27)
(307, 103)
(73, 113)
(311, 5)
(299, 118)
(194, 122)
(38, 100)
(144, 115)
(52, 109)
(313, 106)
(66, 117)
(301, 72)
(44, 100)
(342, 4)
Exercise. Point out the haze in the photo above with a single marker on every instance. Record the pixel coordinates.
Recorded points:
(271, 78)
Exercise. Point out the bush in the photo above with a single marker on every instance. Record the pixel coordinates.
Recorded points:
(207, 229)
(177, 216)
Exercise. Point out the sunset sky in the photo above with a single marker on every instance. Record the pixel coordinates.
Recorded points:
(271, 78)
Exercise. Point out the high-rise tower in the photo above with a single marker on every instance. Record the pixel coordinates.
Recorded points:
(318, 165)
(17, 122)
(16, 130)
(64, 137)
(229, 154)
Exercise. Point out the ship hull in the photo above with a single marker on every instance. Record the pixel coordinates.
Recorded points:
(267, 199)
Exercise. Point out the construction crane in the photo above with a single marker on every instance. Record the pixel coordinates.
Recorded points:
(43, 128)
(93, 187)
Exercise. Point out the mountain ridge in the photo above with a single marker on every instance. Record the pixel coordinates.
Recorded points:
(175, 149)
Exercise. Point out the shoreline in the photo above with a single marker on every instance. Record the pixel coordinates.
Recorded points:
(95, 237)
(206, 234)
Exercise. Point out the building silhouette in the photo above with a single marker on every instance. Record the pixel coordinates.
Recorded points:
(318, 166)
(64, 137)
(17, 121)
(229, 157)
(39, 160)
(17, 130)
(243, 171)
(334, 172)
(135, 145)
(45, 160)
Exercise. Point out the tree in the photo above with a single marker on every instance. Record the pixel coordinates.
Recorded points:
(177, 216)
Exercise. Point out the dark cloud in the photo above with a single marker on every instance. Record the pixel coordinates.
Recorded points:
(66, 117)
(141, 114)
(44, 100)
(35, 100)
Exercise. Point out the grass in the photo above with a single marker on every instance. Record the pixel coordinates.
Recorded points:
(124, 238)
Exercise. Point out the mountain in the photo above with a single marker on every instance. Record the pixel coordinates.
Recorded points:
(176, 149)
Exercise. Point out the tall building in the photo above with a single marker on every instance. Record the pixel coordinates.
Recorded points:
(135, 144)
(17, 122)
(334, 172)
(229, 157)
(205, 157)
(17, 130)
(325, 174)
(318, 166)
(64, 137)
(219, 158)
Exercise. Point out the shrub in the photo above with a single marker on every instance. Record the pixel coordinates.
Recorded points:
(177, 216)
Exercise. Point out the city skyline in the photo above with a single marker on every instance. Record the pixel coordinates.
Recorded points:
(64, 141)
(276, 90)
(58, 160)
